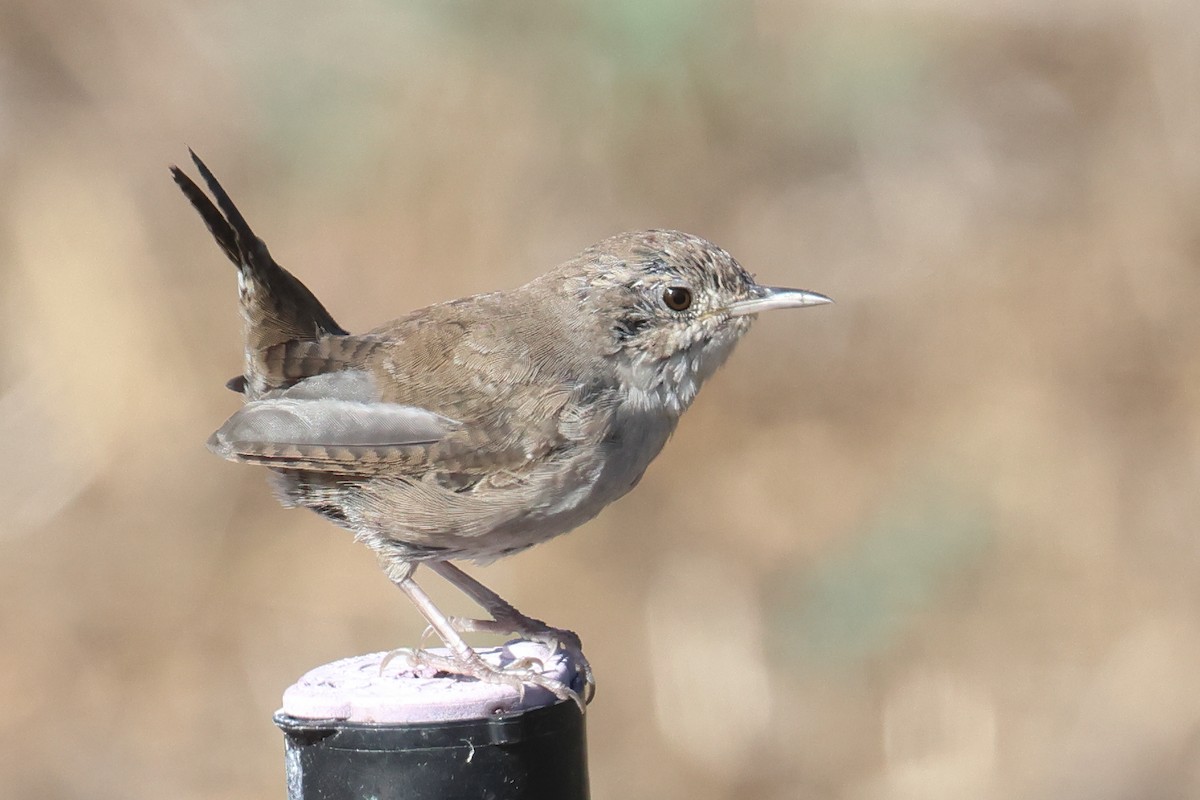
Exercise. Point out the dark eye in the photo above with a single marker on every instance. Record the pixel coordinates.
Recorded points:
(677, 298)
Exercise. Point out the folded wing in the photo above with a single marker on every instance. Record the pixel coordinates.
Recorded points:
(329, 423)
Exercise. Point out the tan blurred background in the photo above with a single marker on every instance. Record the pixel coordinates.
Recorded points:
(935, 541)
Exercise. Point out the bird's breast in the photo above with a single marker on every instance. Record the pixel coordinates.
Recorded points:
(607, 467)
(637, 435)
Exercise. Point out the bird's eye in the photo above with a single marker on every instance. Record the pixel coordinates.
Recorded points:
(677, 298)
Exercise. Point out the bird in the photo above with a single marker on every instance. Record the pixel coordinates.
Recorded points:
(473, 429)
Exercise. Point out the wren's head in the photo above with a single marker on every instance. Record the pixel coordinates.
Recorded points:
(672, 306)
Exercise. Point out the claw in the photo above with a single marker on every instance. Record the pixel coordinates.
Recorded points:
(526, 664)
(402, 651)
(425, 634)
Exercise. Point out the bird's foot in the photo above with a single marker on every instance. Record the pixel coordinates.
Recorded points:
(535, 630)
(517, 675)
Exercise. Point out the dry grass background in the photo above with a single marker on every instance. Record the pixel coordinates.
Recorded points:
(936, 541)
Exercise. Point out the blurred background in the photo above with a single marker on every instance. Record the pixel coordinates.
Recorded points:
(935, 541)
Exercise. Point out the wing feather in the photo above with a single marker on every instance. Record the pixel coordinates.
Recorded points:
(327, 433)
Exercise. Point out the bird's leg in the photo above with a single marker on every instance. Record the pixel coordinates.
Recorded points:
(464, 660)
(506, 619)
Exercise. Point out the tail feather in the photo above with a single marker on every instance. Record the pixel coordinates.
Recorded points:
(294, 361)
(249, 246)
(218, 226)
(276, 306)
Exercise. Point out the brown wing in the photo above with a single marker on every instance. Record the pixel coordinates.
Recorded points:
(421, 398)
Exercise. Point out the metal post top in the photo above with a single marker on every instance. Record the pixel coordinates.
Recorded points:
(375, 690)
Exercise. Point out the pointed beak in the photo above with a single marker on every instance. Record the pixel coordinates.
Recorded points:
(770, 297)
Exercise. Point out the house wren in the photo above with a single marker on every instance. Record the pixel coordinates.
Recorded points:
(476, 428)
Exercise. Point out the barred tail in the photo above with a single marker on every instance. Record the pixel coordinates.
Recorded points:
(277, 307)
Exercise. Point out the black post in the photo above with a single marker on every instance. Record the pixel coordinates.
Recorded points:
(354, 731)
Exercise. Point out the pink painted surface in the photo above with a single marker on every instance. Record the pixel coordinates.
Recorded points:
(356, 689)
